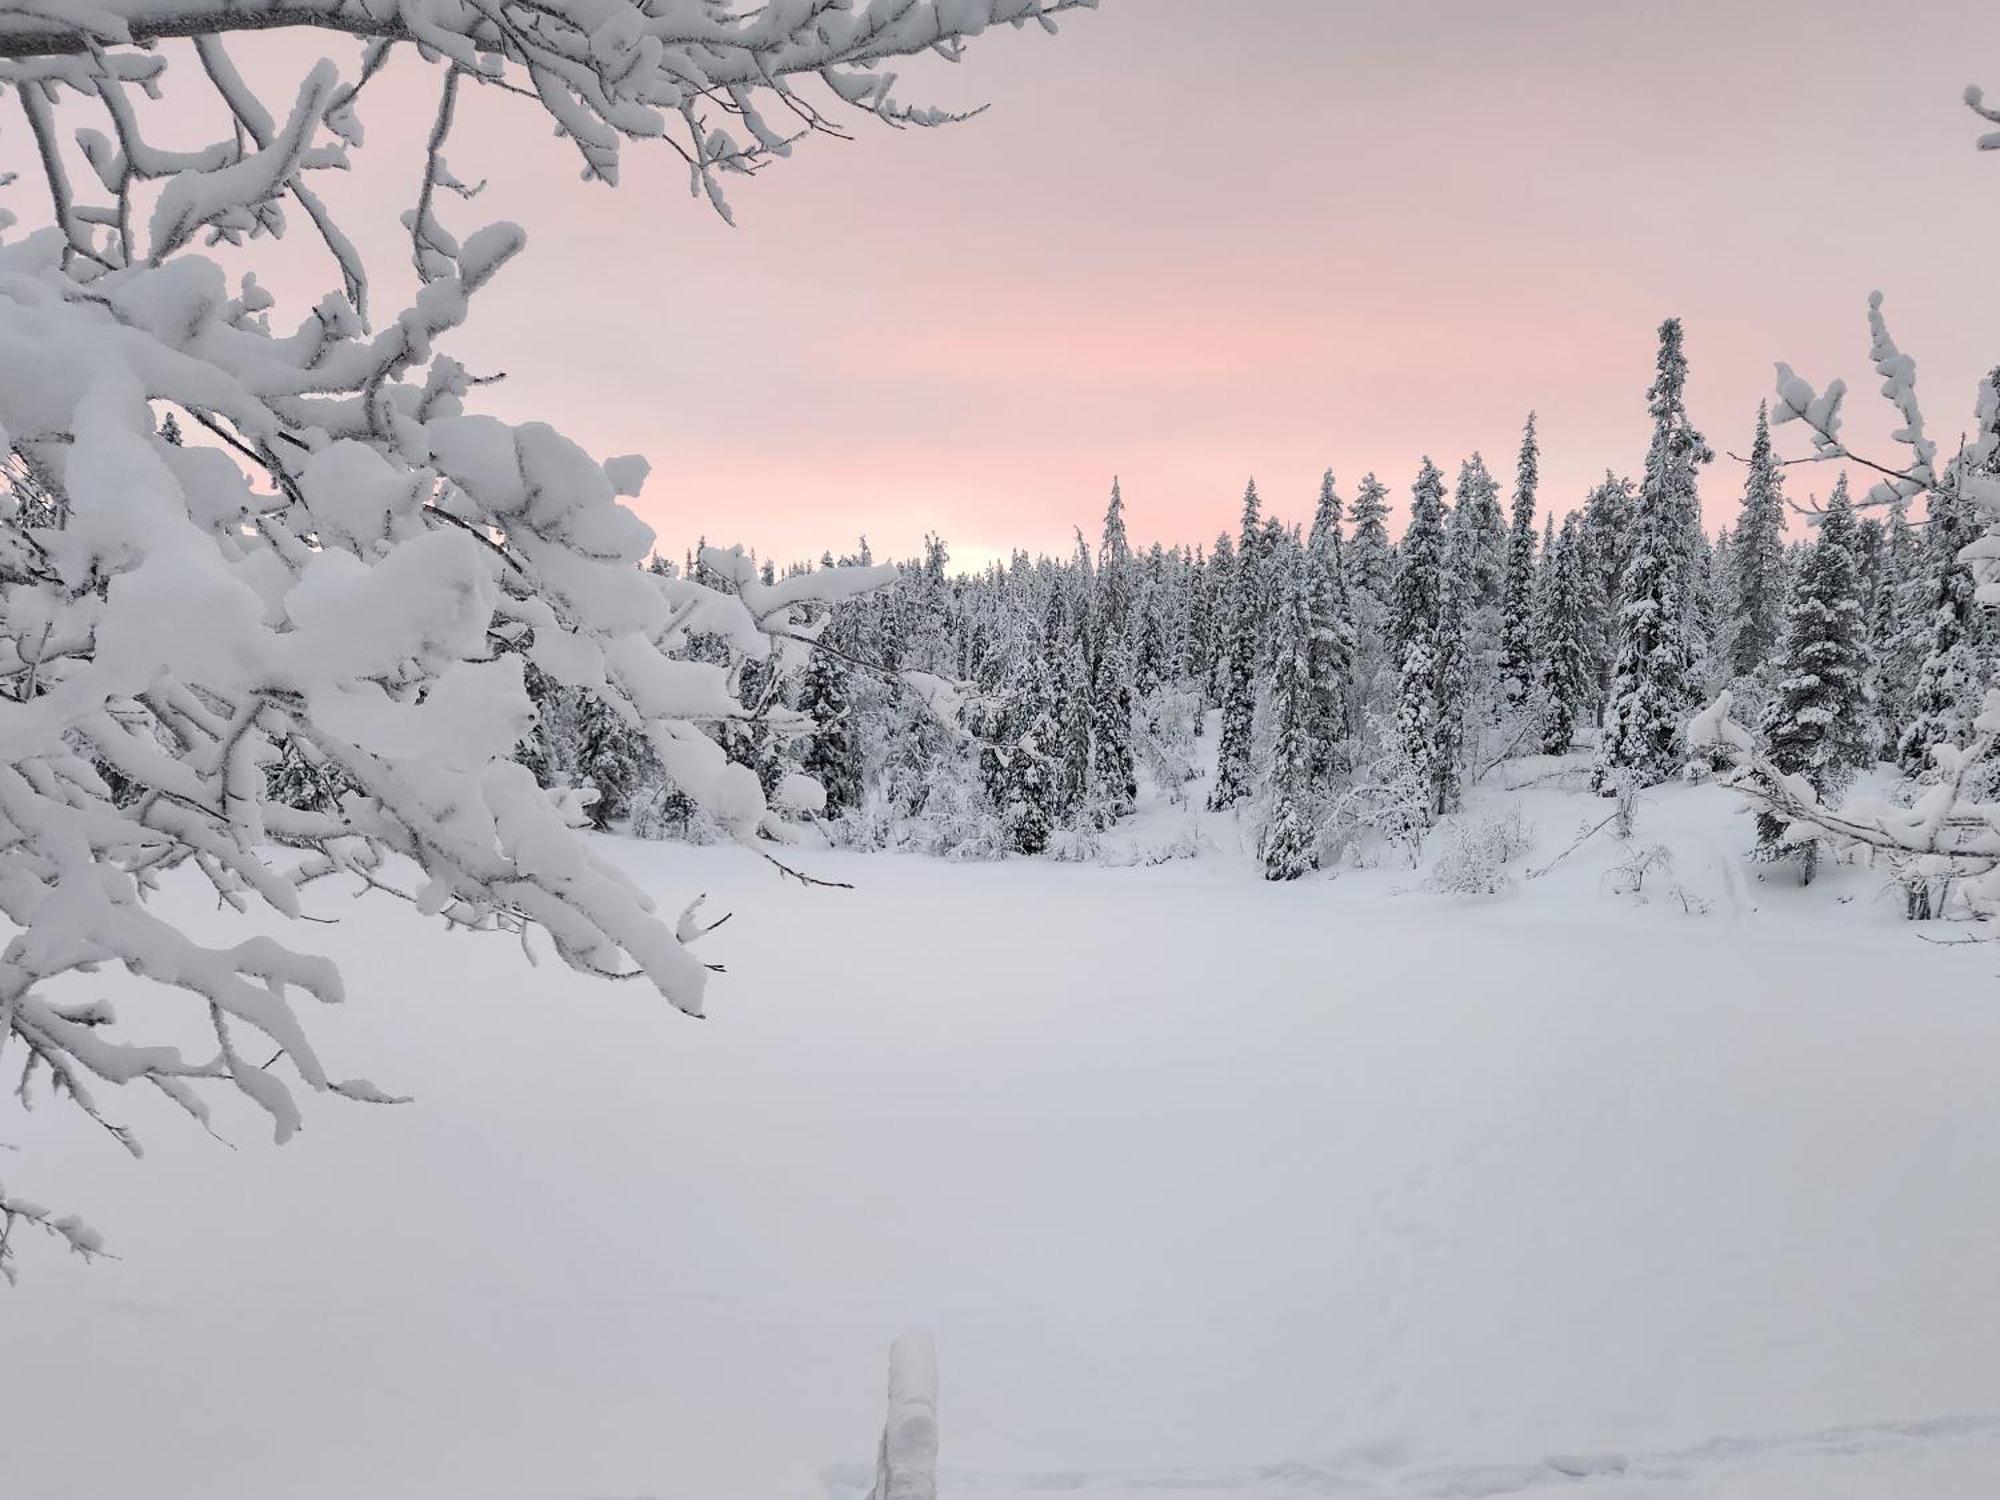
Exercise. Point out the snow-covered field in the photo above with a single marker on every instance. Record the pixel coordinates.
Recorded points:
(1208, 1188)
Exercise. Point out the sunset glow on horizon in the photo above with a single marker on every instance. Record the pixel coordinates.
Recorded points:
(1189, 265)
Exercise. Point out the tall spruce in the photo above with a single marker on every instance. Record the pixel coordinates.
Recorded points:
(1893, 645)
(1287, 842)
(1481, 533)
(1517, 620)
(1757, 561)
(1239, 692)
(1566, 664)
(1112, 666)
(1816, 726)
(1332, 643)
(1428, 612)
(1371, 560)
(1653, 683)
(832, 755)
(1945, 632)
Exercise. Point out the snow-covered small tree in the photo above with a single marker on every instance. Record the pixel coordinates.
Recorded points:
(1816, 726)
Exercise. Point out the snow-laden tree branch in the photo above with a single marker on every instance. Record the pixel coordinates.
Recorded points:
(1948, 833)
(345, 567)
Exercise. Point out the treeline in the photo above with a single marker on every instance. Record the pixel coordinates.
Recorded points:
(1357, 685)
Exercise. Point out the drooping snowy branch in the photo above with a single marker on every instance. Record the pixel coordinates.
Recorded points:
(1948, 833)
(346, 567)
(1820, 411)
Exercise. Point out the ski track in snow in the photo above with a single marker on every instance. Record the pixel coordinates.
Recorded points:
(1686, 1471)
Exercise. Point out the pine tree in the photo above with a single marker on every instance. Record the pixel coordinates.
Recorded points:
(611, 756)
(1419, 564)
(1220, 586)
(1454, 673)
(1609, 512)
(1370, 558)
(1288, 840)
(1566, 661)
(1111, 666)
(1944, 624)
(1025, 791)
(1334, 631)
(1428, 635)
(1893, 645)
(1111, 729)
(832, 755)
(1112, 603)
(1816, 725)
(1480, 532)
(1072, 751)
(1239, 695)
(1757, 561)
(1653, 679)
(1517, 624)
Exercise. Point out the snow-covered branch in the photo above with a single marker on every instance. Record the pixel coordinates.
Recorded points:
(291, 649)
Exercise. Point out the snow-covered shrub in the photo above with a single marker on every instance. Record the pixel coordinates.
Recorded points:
(1474, 851)
(1163, 737)
(1386, 806)
(1628, 877)
(238, 532)
(1078, 844)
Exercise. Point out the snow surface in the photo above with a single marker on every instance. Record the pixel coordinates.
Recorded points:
(1209, 1189)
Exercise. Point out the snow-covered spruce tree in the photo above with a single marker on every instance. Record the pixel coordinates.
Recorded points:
(1289, 839)
(1517, 608)
(1816, 725)
(1111, 728)
(1945, 625)
(1371, 562)
(1154, 652)
(1480, 531)
(1026, 790)
(1197, 633)
(1332, 644)
(1652, 681)
(1454, 654)
(1239, 667)
(1608, 515)
(1111, 666)
(1427, 632)
(1893, 643)
(1948, 836)
(1071, 798)
(1220, 587)
(1757, 574)
(339, 558)
(1567, 675)
(832, 754)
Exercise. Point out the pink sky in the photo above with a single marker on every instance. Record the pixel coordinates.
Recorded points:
(1195, 241)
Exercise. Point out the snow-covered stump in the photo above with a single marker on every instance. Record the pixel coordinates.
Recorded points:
(906, 1463)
